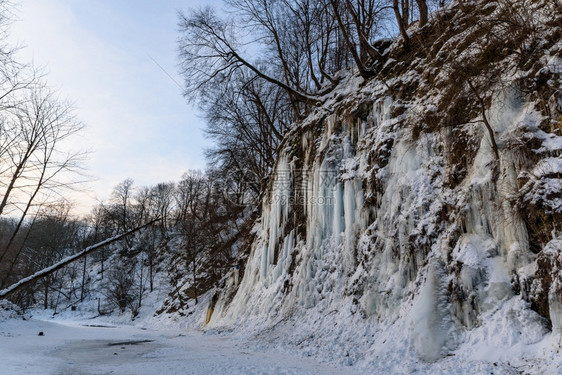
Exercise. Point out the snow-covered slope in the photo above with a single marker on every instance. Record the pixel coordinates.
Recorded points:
(392, 233)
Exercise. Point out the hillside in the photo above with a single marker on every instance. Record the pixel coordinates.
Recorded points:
(416, 216)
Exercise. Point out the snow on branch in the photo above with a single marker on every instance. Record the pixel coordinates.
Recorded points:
(46, 271)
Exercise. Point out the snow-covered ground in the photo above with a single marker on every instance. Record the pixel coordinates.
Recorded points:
(86, 347)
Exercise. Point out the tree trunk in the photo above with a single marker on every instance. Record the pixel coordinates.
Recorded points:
(141, 289)
(102, 264)
(10, 187)
(151, 270)
(365, 73)
(83, 280)
(485, 119)
(46, 294)
(400, 21)
(194, 281)
(424, 13)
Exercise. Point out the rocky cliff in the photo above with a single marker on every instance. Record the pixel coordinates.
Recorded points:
(417, 215)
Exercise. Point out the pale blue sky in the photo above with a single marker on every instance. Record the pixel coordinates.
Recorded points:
(96, 53)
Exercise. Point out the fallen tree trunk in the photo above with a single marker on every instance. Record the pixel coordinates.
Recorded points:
(46, 271)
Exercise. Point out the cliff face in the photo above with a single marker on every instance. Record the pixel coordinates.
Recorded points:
(417, 215)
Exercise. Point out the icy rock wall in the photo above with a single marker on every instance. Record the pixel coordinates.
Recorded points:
(360, 216)
(312, 217)
(388, 206)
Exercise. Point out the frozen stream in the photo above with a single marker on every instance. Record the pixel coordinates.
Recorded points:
(75, 348)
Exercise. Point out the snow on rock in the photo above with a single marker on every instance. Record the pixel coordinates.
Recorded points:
(10, 311)
(343, 252)
(388, 237)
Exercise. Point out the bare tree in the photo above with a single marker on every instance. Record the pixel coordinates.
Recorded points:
(247, 127)
(187, 194)
(122, 209)
(163, 202)
(209, 51)
(359, 23)
(34, 163)
(402, 13)
(53, 237)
